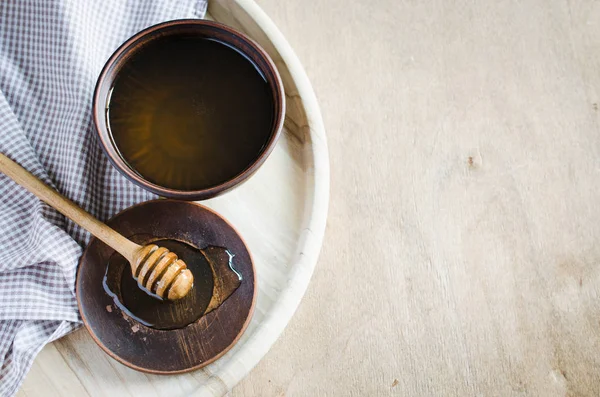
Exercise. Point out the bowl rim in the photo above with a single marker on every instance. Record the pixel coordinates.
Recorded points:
(129, 364)
(126, 50)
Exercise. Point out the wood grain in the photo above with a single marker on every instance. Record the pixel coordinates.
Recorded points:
(461, 256)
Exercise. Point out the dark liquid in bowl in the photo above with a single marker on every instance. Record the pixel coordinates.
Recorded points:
(190, 113)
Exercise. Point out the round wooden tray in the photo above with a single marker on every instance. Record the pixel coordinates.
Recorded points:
(280, 212)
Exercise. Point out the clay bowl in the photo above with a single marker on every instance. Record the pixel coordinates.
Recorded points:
(200, 28)
(176, 350)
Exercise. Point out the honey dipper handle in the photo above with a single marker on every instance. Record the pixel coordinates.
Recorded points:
(122, 245)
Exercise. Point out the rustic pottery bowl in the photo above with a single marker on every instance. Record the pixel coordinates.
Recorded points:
(166, 351)
(205, 29)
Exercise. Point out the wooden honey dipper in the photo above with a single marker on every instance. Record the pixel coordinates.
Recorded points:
(155, 268)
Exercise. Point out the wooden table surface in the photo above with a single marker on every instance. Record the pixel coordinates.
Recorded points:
(461, 255)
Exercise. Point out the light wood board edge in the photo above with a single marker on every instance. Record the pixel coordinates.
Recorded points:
(248, 17)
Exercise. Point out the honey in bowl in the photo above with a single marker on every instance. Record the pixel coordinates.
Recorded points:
(189, 113)
(215, 280)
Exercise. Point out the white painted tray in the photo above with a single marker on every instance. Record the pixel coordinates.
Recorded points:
(280, 212)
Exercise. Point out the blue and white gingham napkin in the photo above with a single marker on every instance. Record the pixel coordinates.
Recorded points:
(51, 53)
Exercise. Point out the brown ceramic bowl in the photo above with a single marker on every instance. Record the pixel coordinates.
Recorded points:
(166, 351)
(201, 28)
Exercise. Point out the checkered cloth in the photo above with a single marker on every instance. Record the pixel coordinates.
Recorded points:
(51, 53)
